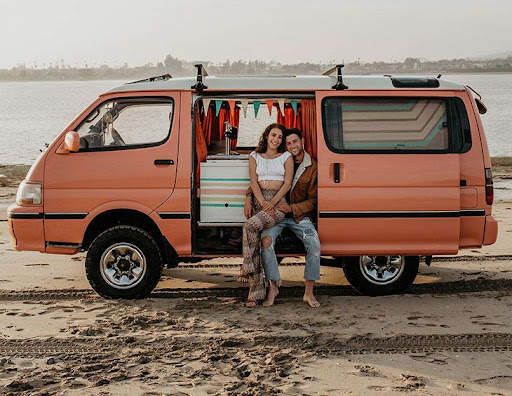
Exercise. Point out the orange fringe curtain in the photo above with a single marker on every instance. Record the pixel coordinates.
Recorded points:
(226, 115)
(309, 126)
(290, 119)
(200, 142)
(210, 127)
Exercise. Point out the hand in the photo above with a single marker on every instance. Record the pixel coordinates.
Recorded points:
(248, 207)
(284, 207)
(267, 206)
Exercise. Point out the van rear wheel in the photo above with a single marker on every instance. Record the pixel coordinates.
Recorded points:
(381, 275)
(124, 262)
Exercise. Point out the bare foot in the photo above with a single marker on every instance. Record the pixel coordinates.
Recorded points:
(251, 303)
(311, 301)
(272, 293)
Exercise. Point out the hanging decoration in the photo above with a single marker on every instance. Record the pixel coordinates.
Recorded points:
(280, 101)
(270, 104)
(218, 105)
(256, 104)
(232, 106)
(294, 106)
(245, 103)
(206, 106)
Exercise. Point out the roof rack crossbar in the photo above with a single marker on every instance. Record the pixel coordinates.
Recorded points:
(163, 77)
(201, 71)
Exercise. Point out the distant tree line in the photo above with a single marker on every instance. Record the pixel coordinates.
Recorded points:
(176, 67)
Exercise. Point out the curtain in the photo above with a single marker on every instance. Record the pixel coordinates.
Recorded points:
(226, 115)
(200, 142)
(309, 126)
(209, 124)
(290, 119)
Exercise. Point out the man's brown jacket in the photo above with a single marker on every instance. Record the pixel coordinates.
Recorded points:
(303, 193)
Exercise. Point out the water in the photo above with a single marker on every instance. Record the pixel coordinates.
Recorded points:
(33, 113)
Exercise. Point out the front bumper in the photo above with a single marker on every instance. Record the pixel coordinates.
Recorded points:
(26, 226)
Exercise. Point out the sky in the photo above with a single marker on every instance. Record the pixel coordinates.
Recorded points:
(137, 32)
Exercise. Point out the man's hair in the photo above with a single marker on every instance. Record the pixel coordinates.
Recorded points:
(292, 131)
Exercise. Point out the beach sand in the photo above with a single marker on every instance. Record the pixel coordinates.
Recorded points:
(451, 333)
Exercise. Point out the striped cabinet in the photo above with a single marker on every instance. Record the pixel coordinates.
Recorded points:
(223, 186)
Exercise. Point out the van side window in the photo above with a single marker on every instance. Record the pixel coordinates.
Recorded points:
(387, 125)
(127, 123)
(460, 126)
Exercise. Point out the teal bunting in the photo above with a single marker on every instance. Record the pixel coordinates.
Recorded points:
(294, 105)
(256, 105)
(218, 105)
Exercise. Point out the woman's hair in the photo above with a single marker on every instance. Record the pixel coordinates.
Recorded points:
(263, 143)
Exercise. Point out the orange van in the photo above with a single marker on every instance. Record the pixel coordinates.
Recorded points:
(154, 173)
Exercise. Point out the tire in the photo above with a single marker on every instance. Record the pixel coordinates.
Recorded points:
(124, 262)
(381, 275)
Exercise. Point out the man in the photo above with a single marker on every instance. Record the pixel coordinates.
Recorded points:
(300, 209)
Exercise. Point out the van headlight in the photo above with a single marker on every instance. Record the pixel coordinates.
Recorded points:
(29, 194)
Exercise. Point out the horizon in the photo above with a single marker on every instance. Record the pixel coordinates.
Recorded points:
(62, 62)
(289, 32)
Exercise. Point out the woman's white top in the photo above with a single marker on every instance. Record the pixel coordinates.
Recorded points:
(270, 169)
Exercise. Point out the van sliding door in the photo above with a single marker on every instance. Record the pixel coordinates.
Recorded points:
(388, 179)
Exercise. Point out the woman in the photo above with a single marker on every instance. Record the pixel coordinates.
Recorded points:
(271, 173)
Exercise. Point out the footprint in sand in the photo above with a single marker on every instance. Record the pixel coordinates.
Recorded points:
(433, 358)
(498, 380)
(365, 371)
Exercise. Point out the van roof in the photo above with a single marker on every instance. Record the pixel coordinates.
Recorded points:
(266, 83)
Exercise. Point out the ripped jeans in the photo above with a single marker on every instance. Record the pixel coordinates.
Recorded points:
(306, 232)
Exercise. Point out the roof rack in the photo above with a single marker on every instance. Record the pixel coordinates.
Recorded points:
(201, 71)
(339, 86)
(163, 77)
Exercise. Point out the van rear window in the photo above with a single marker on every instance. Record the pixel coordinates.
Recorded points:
(387, 124)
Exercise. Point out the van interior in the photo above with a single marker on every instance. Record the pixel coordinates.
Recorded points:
(227, 130)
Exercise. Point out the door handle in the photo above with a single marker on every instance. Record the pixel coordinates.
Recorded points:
(164, 162)
(336, 172)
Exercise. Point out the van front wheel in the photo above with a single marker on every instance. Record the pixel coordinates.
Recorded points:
(124, 262)
(381, 275)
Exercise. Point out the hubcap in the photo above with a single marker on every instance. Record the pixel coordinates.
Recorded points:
(382, 270)
(123, 265)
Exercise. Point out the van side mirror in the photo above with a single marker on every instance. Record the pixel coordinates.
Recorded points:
(482, 109)
(71, 143)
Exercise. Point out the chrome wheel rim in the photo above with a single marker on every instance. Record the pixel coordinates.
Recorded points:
(382, 270)
(123, 265)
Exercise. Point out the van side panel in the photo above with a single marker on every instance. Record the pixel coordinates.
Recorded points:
(387, 203)
(173, 217)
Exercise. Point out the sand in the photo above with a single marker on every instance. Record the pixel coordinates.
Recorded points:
(451, 333)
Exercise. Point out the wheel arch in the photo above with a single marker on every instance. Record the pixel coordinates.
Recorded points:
(114, 217)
